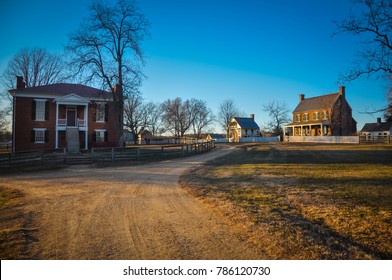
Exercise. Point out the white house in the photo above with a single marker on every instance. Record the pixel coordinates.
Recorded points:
(244, 128)
(377, 129)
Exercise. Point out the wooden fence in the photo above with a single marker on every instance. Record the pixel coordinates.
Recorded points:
(135, 153)
(34, 158)
(380, 139)
(59, 156)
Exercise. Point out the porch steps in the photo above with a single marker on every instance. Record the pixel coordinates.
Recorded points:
(73, 145)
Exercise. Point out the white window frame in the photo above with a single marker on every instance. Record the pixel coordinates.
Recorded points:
(39, 135)
(306, 117)
(316, 116)
(325, 115)
(298, 118)
(100, 135)
(40, 109)
(100, 112)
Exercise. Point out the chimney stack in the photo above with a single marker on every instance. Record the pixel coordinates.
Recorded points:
(378, 120)
(20, 84)
(342, 91)
(252, 116)
(301, 97)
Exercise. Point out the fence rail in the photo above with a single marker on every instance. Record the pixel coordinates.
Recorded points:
(375, 139)
(34, 158)
(132, 153)
(59, 156)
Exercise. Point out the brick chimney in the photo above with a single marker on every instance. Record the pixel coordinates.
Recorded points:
(301, 97)
(252, 116)
(20, 84)
(342, 91)
(378, 120)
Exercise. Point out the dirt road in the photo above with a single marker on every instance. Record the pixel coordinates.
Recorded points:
(137, 212)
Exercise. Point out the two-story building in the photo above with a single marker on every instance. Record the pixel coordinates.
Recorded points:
(325, 115)
(71, 116)
(244, 128)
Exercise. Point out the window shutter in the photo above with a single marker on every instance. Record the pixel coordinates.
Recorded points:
(32, 136)
(94, 112)
(94, 137)
(47, 110)
(106, 136)
(33, 108)
(106, 113)
(46, 136)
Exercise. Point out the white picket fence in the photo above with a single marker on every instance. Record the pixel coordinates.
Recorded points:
(323, 139)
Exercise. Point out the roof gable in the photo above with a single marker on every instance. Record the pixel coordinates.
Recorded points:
(71, 99)
(317, 103)
(246, 123)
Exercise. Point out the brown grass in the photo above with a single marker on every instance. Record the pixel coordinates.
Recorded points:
(307, 201)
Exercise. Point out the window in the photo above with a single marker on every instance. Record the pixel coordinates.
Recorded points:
(306, 117)
(101, 112)
(298, 118)
(40, 110)
(101, 136)
(325, 115)
(39, 135)
(315, 116)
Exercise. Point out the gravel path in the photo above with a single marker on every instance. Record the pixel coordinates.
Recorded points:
(137, 212)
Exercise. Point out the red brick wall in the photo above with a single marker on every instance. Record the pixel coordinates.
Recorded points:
(24, 125)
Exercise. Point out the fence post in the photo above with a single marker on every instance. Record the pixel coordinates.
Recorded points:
(9, 160)
(163, 153)
(112, 154)
(138, 153)
(64, 155)
(182, 149)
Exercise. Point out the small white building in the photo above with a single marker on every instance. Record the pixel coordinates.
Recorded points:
(377, 129)
(244, 128)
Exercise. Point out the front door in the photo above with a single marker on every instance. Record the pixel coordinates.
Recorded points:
(71, 116)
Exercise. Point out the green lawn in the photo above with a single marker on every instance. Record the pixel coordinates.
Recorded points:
(306, 201)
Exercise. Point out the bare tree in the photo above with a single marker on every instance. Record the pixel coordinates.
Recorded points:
(107, 49)
(203, 117)
(155, 113)
(279, 114)
(37, 67)
(388, 110)
(227, 110)
(134, 118)
(373, 25)
(177, 116)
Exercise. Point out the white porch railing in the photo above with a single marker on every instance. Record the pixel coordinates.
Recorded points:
(79, 122)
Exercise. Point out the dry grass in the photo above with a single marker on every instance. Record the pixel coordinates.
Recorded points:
(307, 201)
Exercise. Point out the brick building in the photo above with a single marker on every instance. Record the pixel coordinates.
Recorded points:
(325, 115)
(62, 115)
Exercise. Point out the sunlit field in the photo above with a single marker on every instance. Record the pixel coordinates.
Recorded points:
(305, 201)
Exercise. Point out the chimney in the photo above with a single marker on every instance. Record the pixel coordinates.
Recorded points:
(301, 97)
(20, 84)
(378, 120)
(342, 91)
(252, 116)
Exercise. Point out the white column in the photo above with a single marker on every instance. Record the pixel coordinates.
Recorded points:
(56, 128)
(86, 122)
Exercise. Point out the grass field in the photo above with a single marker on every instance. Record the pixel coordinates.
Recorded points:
(305, 201)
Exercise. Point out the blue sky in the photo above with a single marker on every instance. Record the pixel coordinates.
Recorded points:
(251, 51)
